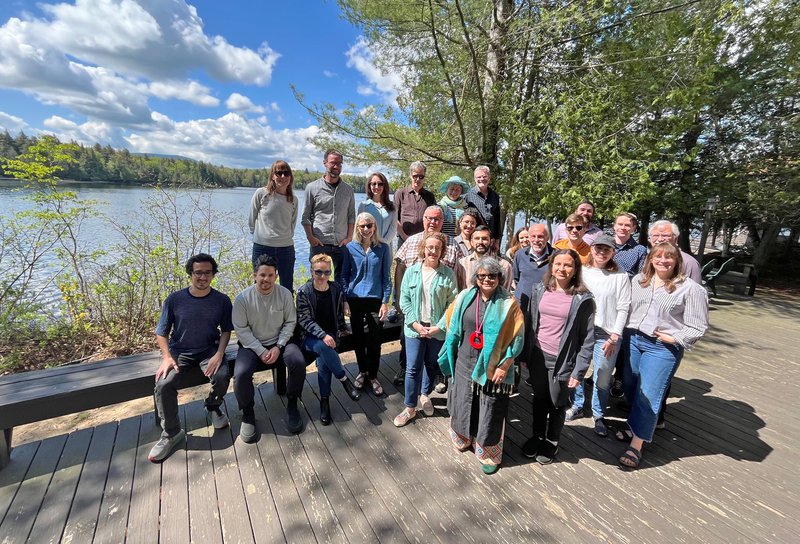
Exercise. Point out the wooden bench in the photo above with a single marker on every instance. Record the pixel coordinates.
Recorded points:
(741, 280)
(38, 395)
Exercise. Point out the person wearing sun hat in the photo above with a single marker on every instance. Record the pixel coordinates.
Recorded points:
(453, 202)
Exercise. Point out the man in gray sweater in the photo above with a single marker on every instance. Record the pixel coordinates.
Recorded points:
(264, 319)
(329, 215)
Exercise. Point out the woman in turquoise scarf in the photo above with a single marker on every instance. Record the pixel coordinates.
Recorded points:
(453, 203)
(484, 336)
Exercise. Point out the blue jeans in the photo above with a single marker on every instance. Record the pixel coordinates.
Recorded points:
(336, 253)
(328, 363)
(649, 368)
(285, 258)
(603, 372)
(420, 353)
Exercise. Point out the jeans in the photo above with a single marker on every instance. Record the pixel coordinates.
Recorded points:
(328, 363)
(247, 362)
(649, 368)
(603, 373)
(285, 257)
(166, 390)
(336, 253)
(366, 346)
(421, 353)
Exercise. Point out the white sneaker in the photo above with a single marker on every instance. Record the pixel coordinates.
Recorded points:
(427, 405)
(218, 419)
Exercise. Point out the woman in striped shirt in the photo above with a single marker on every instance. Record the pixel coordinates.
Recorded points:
(669, 313)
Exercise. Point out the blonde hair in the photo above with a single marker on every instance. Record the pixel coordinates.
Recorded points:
(376, 236)
(322, 258)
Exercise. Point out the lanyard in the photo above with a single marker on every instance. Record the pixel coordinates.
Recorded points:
(476, 338)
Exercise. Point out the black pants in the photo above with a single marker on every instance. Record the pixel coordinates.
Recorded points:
(247, 362)
(550, 397)
(366, 346)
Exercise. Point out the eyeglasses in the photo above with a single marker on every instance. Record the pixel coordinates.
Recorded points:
(202, 273)
(376, 184)
(484, 277)
(367, 226)
(575, 227)
(432, 219)
(322, 272)
(418, 176)
(283, 173)
(334, 163)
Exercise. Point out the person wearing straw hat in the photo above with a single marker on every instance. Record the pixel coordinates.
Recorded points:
(453, 203)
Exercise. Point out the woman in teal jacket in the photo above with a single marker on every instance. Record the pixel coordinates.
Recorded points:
(427, 290)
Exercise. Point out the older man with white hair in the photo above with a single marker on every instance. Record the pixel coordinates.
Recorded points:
(487, 202)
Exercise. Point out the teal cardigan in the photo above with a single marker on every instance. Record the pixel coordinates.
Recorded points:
(443, 291)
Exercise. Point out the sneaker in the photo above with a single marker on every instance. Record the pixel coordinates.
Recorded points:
(547, 452)
(218, 419)
(600, 427)
(427, 405)
(164, 447)
(574, 413)
(616, 389)
(404, 417)
(294, 422)
(531, 447)
(248, 432)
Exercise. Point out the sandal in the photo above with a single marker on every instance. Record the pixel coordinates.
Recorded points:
(360, 379)
(630, 459)
(404, 417)
(623, 435)
(377, 390)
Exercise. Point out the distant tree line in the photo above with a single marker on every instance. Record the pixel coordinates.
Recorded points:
(106, 164)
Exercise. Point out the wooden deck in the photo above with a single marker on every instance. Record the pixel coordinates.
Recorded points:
(723, 471)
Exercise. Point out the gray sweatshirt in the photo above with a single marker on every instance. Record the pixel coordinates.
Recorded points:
(272, 219)
(264, 320)
(329, 210)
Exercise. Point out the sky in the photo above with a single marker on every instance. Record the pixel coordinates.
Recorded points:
(205, 79)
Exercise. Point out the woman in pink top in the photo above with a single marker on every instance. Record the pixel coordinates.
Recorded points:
(559, 336)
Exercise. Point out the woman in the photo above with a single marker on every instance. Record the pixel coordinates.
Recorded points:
(469, 220)
(630, 254)
(381, 208)
(559, 335)
(453, 203)
(576, 227)
(484, 335)
(611, 289)
(428, 289)
(273, 218)
(366, 277)
(669, 313)
(520, 241)
(320, 314)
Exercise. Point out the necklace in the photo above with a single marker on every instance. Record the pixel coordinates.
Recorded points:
(476, 338)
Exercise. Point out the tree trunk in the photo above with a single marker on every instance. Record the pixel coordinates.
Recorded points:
(787, 251)
(644, 226)
(764, 249)
(494, 80)
(685, 225)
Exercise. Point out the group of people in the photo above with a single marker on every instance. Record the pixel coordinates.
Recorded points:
(471, 315)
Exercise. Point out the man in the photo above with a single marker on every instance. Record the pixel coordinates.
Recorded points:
(264, 318)
(329, 216)
(192, 334)
(666, 231)
(411, 202)
(586, 209)
(487, 202)
(481, 241)
(630, 255)
(530, 264)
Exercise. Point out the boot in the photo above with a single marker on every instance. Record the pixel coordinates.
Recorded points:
(325, 411)
(350, 389)
(294, 423)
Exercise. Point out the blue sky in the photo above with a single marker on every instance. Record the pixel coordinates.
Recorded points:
(206, 79)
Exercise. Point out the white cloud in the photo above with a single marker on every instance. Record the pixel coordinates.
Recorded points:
(190, 91)
(12, 123)
(328, 73)
(240, 103)
(362, 59)
(274, 106)
(87, 133)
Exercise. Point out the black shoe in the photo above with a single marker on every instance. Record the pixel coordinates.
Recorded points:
(400, 377)
(547, 452)
(325, 411)
(531, 447)
(294, 422)
(600, 427)
(350, 389)
(617, 391)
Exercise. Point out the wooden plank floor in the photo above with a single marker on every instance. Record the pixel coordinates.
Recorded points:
(722, 471)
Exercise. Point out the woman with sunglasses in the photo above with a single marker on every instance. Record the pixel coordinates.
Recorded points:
(427, 290)
(484, 336)
(559, 336)
(669, 313)
(366, 277)
(320, 315)
(273, 218)
(576, 227)
(381, 208)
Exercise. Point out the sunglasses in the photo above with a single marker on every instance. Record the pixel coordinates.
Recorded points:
(282, 173)
(376, 184)
(575, 227)
(417, 176)
(322, 272)
(367, 226)
(482, 277)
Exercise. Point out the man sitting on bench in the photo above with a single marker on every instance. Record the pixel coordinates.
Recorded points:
(193, 332)
(264, 318)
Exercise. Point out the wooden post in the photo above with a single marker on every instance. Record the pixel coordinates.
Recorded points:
(5, 447)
